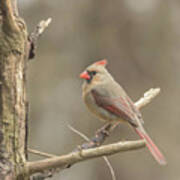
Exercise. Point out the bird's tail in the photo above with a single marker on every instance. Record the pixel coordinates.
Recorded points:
(151, 146)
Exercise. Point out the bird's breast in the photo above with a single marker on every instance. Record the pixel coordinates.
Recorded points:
(97, 110)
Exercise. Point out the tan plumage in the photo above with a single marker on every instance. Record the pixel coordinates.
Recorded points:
(106, 99)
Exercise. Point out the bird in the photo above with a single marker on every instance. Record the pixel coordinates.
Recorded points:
(108, 101)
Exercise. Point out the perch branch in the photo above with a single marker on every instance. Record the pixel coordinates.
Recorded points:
(33, 37)
(9, 24)
(82, 155)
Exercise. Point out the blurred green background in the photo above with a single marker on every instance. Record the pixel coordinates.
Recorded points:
(141, 40)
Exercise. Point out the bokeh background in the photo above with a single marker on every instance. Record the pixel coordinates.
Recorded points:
(141, 40)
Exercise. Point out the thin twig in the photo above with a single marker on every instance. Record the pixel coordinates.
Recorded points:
(110, 167)
(42, 26)
(40, 153)
(104, 157)
(33, 37)
(78, 132)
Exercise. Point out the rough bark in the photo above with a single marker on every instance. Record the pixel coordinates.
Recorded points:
(13, 47)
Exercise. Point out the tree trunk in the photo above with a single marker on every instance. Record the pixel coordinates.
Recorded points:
(13, 109)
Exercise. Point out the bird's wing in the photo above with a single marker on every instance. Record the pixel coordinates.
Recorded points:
(115, 105)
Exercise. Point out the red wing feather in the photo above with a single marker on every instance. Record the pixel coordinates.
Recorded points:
(116, 106)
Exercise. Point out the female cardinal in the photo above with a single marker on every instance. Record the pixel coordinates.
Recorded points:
(106, 99)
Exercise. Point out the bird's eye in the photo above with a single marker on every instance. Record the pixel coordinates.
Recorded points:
(94, 72)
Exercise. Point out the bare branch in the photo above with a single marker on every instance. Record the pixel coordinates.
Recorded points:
(82, 155)
(148, 96)
(9, 23)
(33, 37)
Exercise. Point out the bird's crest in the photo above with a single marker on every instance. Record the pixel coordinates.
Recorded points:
(101, 62)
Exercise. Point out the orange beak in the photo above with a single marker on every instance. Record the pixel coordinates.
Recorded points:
(85, 75)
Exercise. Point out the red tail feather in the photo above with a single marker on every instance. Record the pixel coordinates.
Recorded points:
(151, 146)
